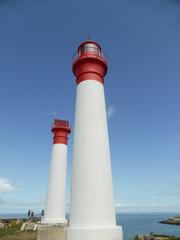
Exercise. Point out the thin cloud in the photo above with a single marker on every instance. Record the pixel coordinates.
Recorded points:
(50, 113)
(16, 203)
(110, 111)
(6, 186)
(134, 205)
(170, 193)
(33, 203)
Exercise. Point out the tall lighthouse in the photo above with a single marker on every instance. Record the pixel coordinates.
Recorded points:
(92, 212)
(56, 195)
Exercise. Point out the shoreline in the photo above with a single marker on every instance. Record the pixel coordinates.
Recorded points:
(128, 221)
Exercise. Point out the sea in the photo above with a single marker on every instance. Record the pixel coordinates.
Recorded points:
(135, 223)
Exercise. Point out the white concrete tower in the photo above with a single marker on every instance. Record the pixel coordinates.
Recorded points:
(92, 212)
(55, 208)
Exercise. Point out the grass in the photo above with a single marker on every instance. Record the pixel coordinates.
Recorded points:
(25, 235)
(166, 236)
(10, 230)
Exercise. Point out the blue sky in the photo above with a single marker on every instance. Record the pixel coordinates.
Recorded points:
(141, 39)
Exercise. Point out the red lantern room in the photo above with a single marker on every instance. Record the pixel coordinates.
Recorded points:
(89, 63)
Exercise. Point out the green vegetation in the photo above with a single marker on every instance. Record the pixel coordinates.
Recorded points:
(25, 235)
(166, 236)
(155, 236)
(136, 237)
(177, 238)
(10, 230)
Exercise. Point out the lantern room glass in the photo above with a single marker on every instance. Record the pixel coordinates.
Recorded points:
(90, 47)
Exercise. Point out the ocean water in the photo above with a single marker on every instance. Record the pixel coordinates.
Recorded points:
(135, 223)
(143, 223)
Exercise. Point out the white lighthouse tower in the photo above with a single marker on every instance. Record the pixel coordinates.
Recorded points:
(92, 212)
(56, 196)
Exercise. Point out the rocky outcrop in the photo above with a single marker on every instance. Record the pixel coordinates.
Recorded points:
(172, 221)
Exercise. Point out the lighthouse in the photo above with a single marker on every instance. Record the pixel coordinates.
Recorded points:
(55, 208)
(92, 212)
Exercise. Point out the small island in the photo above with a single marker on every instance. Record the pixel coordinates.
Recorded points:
(172, 221)
(154, 236)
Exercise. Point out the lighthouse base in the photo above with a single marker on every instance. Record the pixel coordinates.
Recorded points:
(95, 234)
(52, 231)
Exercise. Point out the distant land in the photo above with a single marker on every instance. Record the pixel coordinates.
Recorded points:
(154, 236)
(172, 221)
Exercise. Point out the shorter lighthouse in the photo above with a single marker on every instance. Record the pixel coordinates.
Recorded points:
(56, 196)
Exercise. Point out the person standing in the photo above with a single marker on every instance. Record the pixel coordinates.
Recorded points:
(42, 215)
(32, 215)
(29, 214)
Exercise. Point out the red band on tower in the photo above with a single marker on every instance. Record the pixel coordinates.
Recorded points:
(61, 129)
(89, 63)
